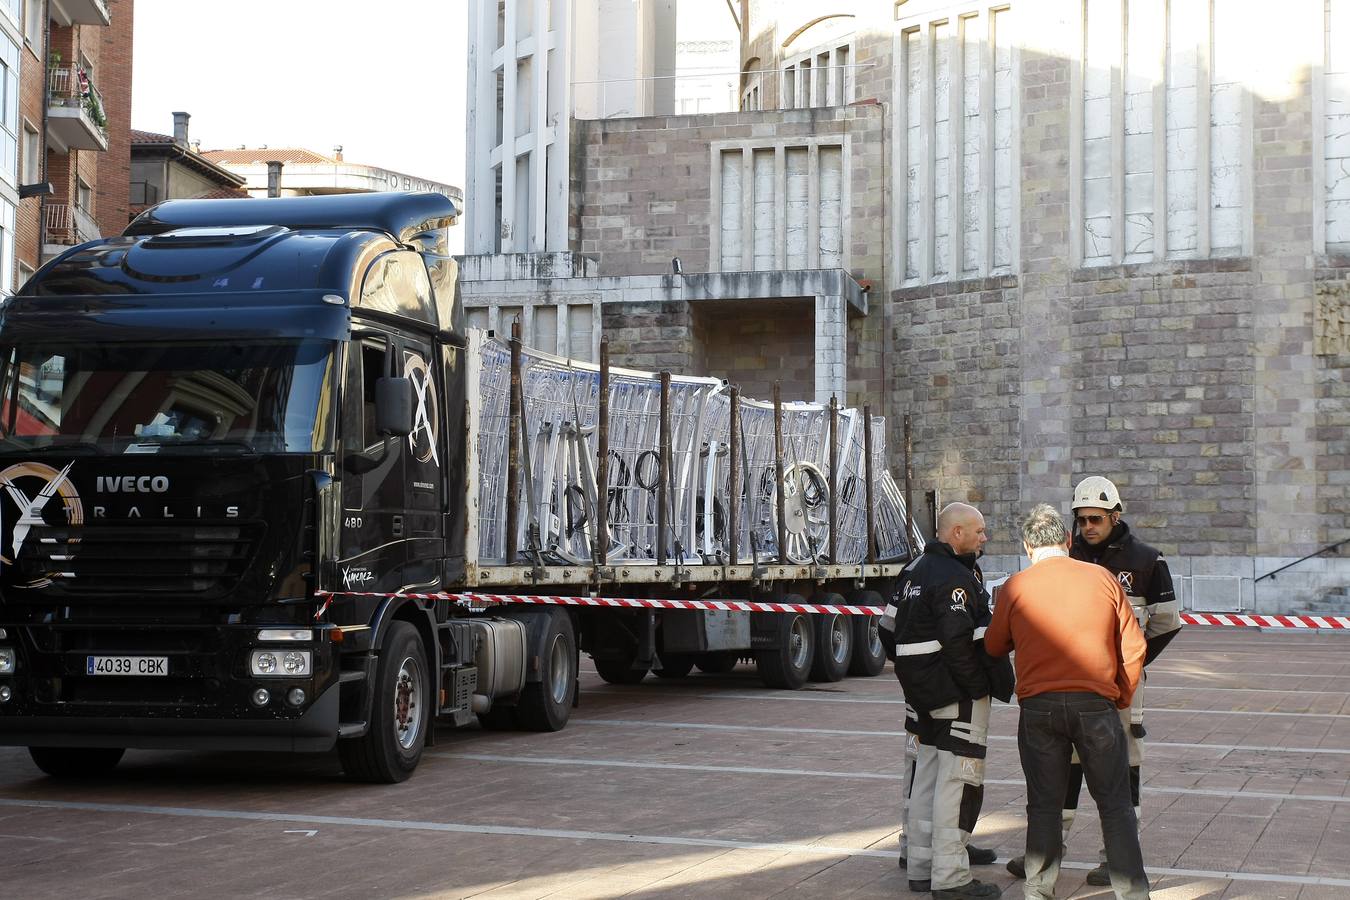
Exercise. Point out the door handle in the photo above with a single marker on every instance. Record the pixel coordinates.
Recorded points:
(398, 526)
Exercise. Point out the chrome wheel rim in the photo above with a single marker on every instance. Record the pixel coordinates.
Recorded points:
(838, 639)
(408, 692)
(873, 637)
(560, 670)
(799, 642)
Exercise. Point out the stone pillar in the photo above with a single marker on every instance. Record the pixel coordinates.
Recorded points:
(1048, 131)
(831, 349)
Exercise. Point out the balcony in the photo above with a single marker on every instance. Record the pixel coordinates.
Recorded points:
(65, 225)
(75, 117)
(80, 12)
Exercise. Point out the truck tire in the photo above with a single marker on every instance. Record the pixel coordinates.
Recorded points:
(399, 712)
(869, 654)
(718, 662)
(618, 671)
(789, 664)
(675, 665)
(546, 704)
(76, 762)
(834, 641)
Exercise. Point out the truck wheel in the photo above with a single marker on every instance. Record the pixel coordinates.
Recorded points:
(869, 655)
(76, 762)
(788, 665)
(618, 670)
(392, 746)
(675, 665)
(834, 642)
(719, 662)
(546, 704)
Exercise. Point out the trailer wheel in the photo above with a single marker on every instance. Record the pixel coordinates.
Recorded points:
(869, 654)
(789, 664)
(618, 670)
(675, 665)
(76, 762)
(834, 642)
(546, 704)
(400, 712)
(719, 662)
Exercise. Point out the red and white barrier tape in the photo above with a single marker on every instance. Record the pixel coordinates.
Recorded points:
(1255, 621)
(483, 601)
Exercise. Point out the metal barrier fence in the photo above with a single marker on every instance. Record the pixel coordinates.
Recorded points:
(558, 513)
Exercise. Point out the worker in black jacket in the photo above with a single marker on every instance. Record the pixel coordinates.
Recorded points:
(1102, 537)
(934, 627)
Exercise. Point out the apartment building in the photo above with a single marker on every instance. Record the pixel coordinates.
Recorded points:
(67, 113)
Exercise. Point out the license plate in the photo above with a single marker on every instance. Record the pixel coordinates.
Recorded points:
(128, 665)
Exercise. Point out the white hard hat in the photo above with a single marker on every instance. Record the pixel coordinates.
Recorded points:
(1098, 493)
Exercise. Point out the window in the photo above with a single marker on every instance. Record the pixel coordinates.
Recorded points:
(84, 196)
(31, 158)
(25, 273)
(822, 76)
(956, 145)
(32, 24)
(9, 108)
(13, 9)
(7, 211)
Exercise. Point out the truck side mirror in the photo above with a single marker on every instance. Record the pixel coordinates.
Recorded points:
(394, 406)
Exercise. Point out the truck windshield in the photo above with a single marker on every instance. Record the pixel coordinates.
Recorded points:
(271, 396)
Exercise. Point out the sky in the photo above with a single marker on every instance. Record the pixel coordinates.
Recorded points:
(387, 81)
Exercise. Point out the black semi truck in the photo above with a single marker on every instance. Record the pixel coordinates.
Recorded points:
(261, 489)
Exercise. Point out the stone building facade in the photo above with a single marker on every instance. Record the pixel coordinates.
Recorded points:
(1065, 238)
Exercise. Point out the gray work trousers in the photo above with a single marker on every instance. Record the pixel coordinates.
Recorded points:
(943, 801)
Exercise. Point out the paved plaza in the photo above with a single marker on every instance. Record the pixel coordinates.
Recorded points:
(711, 786)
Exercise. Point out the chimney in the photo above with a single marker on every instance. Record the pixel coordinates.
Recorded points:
(180, 128)
(196, 146)
(337, 152)
(273, 178)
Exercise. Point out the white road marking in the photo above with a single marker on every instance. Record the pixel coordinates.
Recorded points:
(665, 840)
(818, 698)
(863, 776)
(783, 729)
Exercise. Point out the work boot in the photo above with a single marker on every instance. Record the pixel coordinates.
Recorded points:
(1018, 866)
(1100, 876)
(920, 887)
(969, 891)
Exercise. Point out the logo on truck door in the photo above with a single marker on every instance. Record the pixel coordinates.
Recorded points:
(422, 440)
(31, 487)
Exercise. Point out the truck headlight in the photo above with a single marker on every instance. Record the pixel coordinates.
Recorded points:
(6, 660)
(280, 662)
(295, 662)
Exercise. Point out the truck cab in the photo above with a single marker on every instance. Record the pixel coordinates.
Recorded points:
(208, 426)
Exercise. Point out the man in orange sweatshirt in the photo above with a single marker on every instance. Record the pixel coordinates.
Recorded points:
(1079, 657)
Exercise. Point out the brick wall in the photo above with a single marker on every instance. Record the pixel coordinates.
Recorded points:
(32, 87)
(645, 184)
(112, 203)
(651, 336)
(754, 343)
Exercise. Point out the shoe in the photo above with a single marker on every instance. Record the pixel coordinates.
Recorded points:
(969, 891)
(921, 887)
(1099, 877)
(1018, 866)
(980, 856)
(904, 863)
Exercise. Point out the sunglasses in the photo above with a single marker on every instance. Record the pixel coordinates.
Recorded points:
(1090, 520)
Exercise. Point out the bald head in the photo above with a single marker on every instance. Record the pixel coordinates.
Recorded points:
(961, 526)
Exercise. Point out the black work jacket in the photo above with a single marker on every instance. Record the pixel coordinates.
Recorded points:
(937, 639)
(1143, 573)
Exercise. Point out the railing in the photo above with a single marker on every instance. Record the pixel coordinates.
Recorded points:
(67, 225)
(1328, 548)
(143, 193)
(74, 89)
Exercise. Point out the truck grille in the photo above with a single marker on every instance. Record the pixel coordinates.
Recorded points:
(145, 560)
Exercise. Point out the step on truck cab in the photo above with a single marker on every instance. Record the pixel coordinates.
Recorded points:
(260, 489)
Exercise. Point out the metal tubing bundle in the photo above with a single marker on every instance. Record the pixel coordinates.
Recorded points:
(671, 506)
